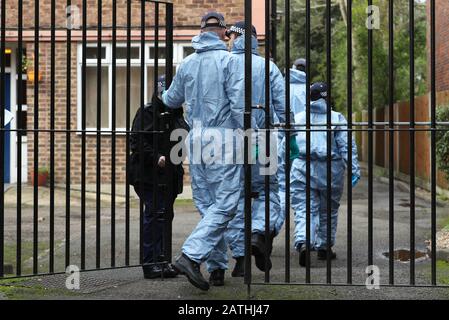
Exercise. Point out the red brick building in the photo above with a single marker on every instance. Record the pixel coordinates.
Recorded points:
(187, 15)
(442, 45)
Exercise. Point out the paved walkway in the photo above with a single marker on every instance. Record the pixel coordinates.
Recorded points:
(128, 283)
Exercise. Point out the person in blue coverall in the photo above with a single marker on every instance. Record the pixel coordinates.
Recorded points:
(211, 86)
(297, 105)
(235, 234)
(318, 174)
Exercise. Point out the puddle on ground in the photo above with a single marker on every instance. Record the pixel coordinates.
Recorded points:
(406, 204)
(403, 255)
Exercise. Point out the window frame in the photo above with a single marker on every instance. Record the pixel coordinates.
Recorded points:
(107, 62)
(180, 52)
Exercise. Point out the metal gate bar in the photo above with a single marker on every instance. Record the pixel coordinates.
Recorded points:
(68, 151)
(391, 138)
(38, 131)
(98, 162)
(142, 102)
(267, 136)
(83, 137)
(349, 119)
(370, 145)
(308, 145)
(433, 169)
(287, 140)
(412, 140)
(128, 128)
(114, 125)
(2, 135)
(52, 136)
(329, 141)
(247, 141)
(370, 127)
(19, 148)
(36, 138)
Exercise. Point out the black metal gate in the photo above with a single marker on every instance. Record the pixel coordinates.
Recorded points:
(69, 24)
(371, 127)
(92, 39)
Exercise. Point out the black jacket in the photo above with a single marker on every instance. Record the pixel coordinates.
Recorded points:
(141, 174)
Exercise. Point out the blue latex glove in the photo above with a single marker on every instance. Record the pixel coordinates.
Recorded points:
(294, 149)
(355, 180)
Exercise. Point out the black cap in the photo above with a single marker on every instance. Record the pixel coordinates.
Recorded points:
(318, 90)
(213, 15)
(239, 28)
(300, 64)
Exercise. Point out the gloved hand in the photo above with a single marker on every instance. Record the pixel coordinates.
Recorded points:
(160, 85)
(355, 180)
(256, 151)
(294, 149)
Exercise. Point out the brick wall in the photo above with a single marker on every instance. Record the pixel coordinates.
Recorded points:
(442, 45)
(187, 13)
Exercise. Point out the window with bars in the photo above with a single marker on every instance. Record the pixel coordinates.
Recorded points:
(180, 51)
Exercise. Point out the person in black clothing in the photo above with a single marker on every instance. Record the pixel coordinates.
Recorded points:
(150, 171)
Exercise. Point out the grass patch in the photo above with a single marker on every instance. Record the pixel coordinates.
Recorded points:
(15, 291)
(10, 252)
(444, 223)
(12, 288)
(443, 272)
(442, 198)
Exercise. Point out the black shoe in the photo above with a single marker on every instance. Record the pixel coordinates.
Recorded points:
(217, 278)
(239, 268)
(155, 271)
(192, 271)
(302, 255)
(258, 251)
(170, 271)
(322, 255)
(152, 272)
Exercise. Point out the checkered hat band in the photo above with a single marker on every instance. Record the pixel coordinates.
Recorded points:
(237, 30)
(215, 24)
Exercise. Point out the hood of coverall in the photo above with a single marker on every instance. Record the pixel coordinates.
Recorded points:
(239, 45)
(318, 106)
(297, 76)
(207, 41)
